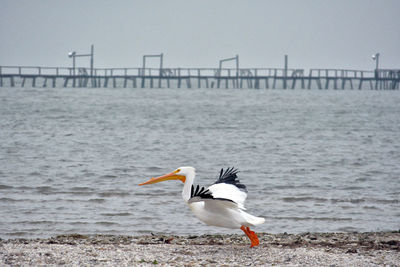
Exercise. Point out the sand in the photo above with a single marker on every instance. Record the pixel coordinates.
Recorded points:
(309, 249)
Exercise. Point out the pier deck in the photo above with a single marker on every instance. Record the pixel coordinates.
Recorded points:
(257, 78)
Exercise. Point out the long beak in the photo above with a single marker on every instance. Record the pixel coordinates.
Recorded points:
(169, 176)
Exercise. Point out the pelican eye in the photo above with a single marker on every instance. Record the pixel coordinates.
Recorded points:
(177, 171)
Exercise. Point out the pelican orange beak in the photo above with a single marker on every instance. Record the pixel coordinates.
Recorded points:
(170, 176)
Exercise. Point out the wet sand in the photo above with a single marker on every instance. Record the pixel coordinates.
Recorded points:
(308, 249)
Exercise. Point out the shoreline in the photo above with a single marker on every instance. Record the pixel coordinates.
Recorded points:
(312, 249)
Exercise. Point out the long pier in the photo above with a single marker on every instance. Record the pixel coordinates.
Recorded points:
(257, 78)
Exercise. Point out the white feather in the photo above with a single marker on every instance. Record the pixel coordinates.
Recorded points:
(223, 213)
(229, 191)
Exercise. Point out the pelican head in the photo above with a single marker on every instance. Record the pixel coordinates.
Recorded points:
(179, 174)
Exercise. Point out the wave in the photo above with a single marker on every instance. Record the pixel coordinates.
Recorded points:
(370, 200)
(80, 188)
(25, 188)
(294, 218)
(45, 190)
(106, 223)
(348, 200)
(36, 222)
(18, 234)
(3, 186)
(347, 229)
(78, 223)
(113, 194)
(116, 214)
(97, 200)
(35, 173)
(388, 201)
(108, 176)
(303, 199)
(339, 200)
(154, 169)
(7, 199)
(353, 188)
(371, 208)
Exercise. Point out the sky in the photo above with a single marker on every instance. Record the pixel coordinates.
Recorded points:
(313, 33)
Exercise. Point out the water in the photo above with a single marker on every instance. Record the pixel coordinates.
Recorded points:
(321, 161)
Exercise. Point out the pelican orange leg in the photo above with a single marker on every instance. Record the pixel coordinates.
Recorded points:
(251, 235)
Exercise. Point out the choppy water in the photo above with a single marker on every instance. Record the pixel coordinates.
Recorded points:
(71, 159)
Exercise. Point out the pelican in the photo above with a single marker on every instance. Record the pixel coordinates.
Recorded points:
(221, 204)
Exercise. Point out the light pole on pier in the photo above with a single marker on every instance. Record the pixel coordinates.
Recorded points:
(285, 72)
(376, 58)
(73, 55)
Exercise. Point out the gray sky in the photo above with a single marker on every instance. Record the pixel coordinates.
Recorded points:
(315, 34)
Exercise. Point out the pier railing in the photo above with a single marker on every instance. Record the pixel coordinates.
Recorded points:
(32, 70)
(172, 72)
(208, 77)
(340, 73)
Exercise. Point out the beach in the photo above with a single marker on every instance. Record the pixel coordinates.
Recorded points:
(307, 249)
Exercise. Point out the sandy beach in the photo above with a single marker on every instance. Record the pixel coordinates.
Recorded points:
(308, 249)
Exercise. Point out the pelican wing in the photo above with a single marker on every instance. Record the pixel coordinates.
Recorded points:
(227, 189)
(228, 192)
(202, 194)
(228, 186)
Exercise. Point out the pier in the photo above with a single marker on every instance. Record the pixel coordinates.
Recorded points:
(256, 78)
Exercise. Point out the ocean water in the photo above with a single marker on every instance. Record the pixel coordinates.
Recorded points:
(71, 159)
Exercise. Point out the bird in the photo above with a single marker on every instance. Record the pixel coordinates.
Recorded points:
(221, 204)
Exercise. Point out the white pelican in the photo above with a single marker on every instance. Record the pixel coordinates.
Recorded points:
(221, 204)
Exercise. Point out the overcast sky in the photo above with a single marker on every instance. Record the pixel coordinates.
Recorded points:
(315, 34)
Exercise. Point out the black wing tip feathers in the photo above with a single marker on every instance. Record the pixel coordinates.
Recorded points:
(228, 172)
(230, 177)
(200, 192)
(204, 193)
